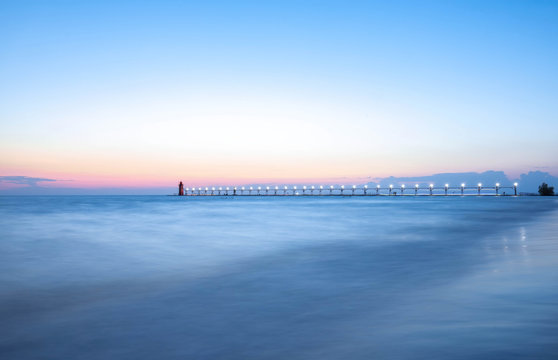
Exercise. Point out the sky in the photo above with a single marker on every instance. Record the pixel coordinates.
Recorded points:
(130, 94)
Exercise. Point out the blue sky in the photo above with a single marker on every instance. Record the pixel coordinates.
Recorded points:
(109, 91)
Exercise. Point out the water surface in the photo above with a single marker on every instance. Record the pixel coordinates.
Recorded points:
(274, 278)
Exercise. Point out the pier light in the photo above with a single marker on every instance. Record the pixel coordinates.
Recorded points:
(378, 186)
(228, 188)
(497, 184)
(366, 186)
(220, 188)
(342, 186)
(416, 185)
(447, 185)
(321, 186)
(331, 187)
(403, 186)
(354, 186)
(212, 188)
(243, 188)
(462, 184)
(187, 189)
(514, 184)
(480, 184)
(259, 188)
(312, 187)
(431, 185)
(199, 189)
(277, 188)
(304, 187)
(285, 188)
(235, 187)
(294, 187)
(267, 187)
(251, 188)
(391, 186)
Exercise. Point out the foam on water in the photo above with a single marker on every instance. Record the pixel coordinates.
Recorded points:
(250, 278)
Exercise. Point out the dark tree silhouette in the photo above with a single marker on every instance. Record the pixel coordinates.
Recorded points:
(546, 190)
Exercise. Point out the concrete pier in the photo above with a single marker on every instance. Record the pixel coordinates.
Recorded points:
(354, 190)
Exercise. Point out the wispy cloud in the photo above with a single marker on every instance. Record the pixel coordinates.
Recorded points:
(25, 180)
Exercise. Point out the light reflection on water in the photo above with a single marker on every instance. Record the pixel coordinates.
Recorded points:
(250, 278)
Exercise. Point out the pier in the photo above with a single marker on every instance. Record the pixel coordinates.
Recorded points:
(354, 190)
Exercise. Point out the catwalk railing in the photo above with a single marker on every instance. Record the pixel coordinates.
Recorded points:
(354, 190)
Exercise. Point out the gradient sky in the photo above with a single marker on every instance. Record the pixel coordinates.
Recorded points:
(137, 93)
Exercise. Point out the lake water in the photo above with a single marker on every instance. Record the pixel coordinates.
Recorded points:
(157, 277)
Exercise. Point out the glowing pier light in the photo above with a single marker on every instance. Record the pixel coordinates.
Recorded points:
(497, 188)
(250, 191)
(479, 188)
(365, 188)
(431, 187)
(416, 188)
(354, 187)
(330, 189)
(462, 188)
(390, 188)
(515, 189)
(446, 189)
(303, 189)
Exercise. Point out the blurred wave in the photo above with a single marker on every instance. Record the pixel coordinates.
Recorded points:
(142, 277)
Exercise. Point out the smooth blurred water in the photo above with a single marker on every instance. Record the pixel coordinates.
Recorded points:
(149, 277)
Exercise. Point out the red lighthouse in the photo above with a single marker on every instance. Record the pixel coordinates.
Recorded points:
(180, 189)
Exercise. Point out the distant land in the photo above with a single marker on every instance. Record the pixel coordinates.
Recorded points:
(528, 183)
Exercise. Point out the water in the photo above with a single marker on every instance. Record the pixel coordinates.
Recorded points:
(126, 277)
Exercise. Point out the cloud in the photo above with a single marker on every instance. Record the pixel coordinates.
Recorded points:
(24, 180)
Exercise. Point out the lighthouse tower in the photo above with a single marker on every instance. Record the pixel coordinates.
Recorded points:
(180, 189)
